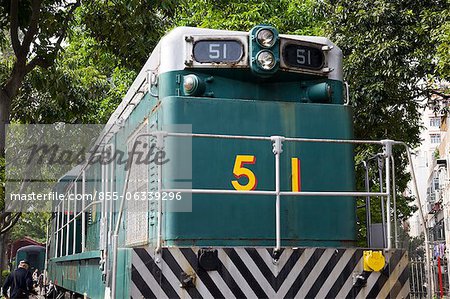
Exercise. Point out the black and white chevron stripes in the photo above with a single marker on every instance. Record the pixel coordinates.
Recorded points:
(251, 273)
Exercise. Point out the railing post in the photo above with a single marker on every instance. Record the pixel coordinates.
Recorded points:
(83, 215)
(368, 216)
(58, 207)
(412, 272)
(383, 214)
(62, 229)
(160, 135)
(74, 246)
(394, 199)
(111, 190)
(68, 224)
(387, 152)
(46, 252)
(277, 150)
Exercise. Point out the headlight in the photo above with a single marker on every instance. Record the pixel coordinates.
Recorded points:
(265, 38)
(193, 85)
(266, 60)
(264, 51)
(190, 84)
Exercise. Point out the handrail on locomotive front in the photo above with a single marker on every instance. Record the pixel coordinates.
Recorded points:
(277, 144)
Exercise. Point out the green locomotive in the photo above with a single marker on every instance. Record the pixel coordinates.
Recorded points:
(252, 194)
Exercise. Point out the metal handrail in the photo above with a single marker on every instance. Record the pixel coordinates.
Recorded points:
(274, 192)
(78, 215)
(387, 144)
(295, 139)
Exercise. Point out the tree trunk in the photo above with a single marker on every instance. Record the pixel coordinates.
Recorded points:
(3, 257)
(3, 251)
(7, 93)
(4, 264)
(5, 112)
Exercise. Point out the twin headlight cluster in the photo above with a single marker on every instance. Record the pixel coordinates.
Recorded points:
(263, 57)
(264, 50)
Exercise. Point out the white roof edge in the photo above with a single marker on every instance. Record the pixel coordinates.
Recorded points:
(173, 47)
(152, 63)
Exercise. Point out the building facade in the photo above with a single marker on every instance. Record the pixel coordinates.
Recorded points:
(431, 167)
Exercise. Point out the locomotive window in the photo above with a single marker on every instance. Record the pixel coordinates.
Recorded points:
(300, 56)
(218, 51)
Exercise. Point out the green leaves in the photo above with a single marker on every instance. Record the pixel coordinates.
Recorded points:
(83, 86)
(387, 53)
(33, 225)
(127, 29)
(290, 17)
(441, 36)
(382, 65)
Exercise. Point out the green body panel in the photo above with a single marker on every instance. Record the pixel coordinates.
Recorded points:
(242, 84)
(247, 220)
(79, 256)
(79, 273)
(89, 275)
(123, 273)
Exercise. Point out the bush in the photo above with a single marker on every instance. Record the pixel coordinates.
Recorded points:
(5, 274)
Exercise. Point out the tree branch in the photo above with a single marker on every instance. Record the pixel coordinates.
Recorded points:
(14, 30)
(37, 61)
(6, 220)
(11, 223)
(40, 60)
(33, 27)
(441, 94)
(66, 24)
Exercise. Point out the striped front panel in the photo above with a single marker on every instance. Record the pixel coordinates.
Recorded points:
(252, 273)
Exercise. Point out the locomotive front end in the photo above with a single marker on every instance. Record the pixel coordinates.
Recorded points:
(251, 193)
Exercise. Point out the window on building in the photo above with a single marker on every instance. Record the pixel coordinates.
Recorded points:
(435, 138)
(436, 183)
(435, 121)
